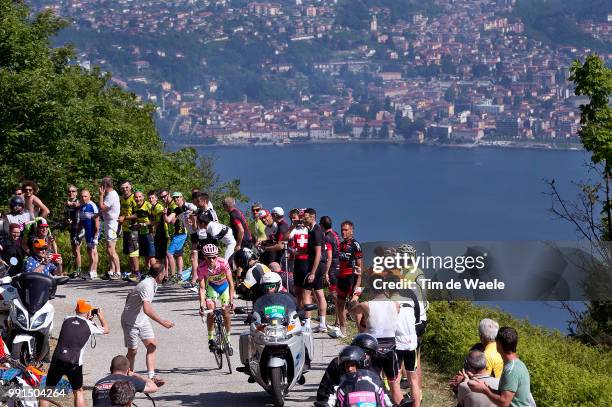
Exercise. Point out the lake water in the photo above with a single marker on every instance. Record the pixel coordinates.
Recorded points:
(394, 192)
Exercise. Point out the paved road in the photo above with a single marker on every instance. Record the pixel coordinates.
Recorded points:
(183, 359)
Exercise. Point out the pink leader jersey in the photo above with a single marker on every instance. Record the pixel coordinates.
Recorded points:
(217, 278)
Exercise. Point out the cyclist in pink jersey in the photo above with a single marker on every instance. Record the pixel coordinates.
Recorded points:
(216, 283)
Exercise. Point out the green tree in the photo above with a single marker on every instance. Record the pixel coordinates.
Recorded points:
(61, 124)
(594, 79)
(592, 214)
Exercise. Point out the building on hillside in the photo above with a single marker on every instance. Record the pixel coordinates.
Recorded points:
(508, 127)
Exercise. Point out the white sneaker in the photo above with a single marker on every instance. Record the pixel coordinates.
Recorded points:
(335, 332)
(93, 275)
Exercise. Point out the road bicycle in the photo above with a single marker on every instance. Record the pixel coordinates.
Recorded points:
(221, 338)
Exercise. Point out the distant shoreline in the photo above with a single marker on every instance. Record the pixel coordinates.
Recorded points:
(489, 144)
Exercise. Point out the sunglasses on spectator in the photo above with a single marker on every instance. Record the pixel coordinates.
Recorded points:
(163, 196)
(256, 209)
(28, 189)
(72, 191)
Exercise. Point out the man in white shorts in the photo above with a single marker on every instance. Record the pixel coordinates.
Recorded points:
(110, 206)
(137, 315)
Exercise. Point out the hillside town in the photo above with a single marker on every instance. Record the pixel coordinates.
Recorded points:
(467, 74)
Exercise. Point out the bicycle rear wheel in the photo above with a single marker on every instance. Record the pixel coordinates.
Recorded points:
(220, 345)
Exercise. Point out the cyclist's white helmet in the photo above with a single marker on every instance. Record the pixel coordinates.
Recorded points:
(210, 250)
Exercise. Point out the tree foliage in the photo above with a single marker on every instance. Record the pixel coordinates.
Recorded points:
(61, 124)
(592, 214)
(594, 79)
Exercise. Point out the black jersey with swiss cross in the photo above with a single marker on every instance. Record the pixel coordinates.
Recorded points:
(348, 253)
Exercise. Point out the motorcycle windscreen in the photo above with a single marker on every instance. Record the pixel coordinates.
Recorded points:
(34, 290)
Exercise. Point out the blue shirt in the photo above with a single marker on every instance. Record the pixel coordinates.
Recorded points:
(87, 217)
(32, 263)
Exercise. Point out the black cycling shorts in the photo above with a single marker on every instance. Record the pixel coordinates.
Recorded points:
(386, 359)
(333, 273)
(300, 269)
(59, 369)
(74, 236)
(420, 331)
(319, 280)
(161, 246)
(409, 358)
(345, 286)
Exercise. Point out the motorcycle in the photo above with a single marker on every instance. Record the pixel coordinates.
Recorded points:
(276, 354)
(7, 294)
(31, 316)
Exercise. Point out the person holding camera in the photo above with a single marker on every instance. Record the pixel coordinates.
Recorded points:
(68, 356)
(41, 260)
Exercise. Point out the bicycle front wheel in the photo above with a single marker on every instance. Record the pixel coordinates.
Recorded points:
(226, 345)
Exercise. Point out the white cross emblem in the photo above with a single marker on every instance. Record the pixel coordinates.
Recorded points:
(302, 240)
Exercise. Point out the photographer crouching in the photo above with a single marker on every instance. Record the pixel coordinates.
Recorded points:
(68, 356)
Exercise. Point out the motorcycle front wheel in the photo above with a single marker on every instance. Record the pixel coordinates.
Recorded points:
(24, 355)
(277, 386)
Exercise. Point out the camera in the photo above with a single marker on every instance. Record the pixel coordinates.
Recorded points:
(94, 312)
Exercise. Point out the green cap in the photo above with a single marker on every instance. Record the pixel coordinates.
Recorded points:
(176, 194)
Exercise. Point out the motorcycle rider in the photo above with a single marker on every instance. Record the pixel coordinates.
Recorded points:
(41, 261)
(333, 374)
(271, 284)
(357, 378)
(272, 303)
(16, 215)
(11, 247)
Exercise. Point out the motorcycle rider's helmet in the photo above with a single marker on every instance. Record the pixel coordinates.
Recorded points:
(271, 280)
(367, 342)
(352, 354)
(16, 201)
(210, 250)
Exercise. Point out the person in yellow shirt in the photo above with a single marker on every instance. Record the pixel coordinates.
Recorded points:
(487, 330)
(142, 224)
(127, 205)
